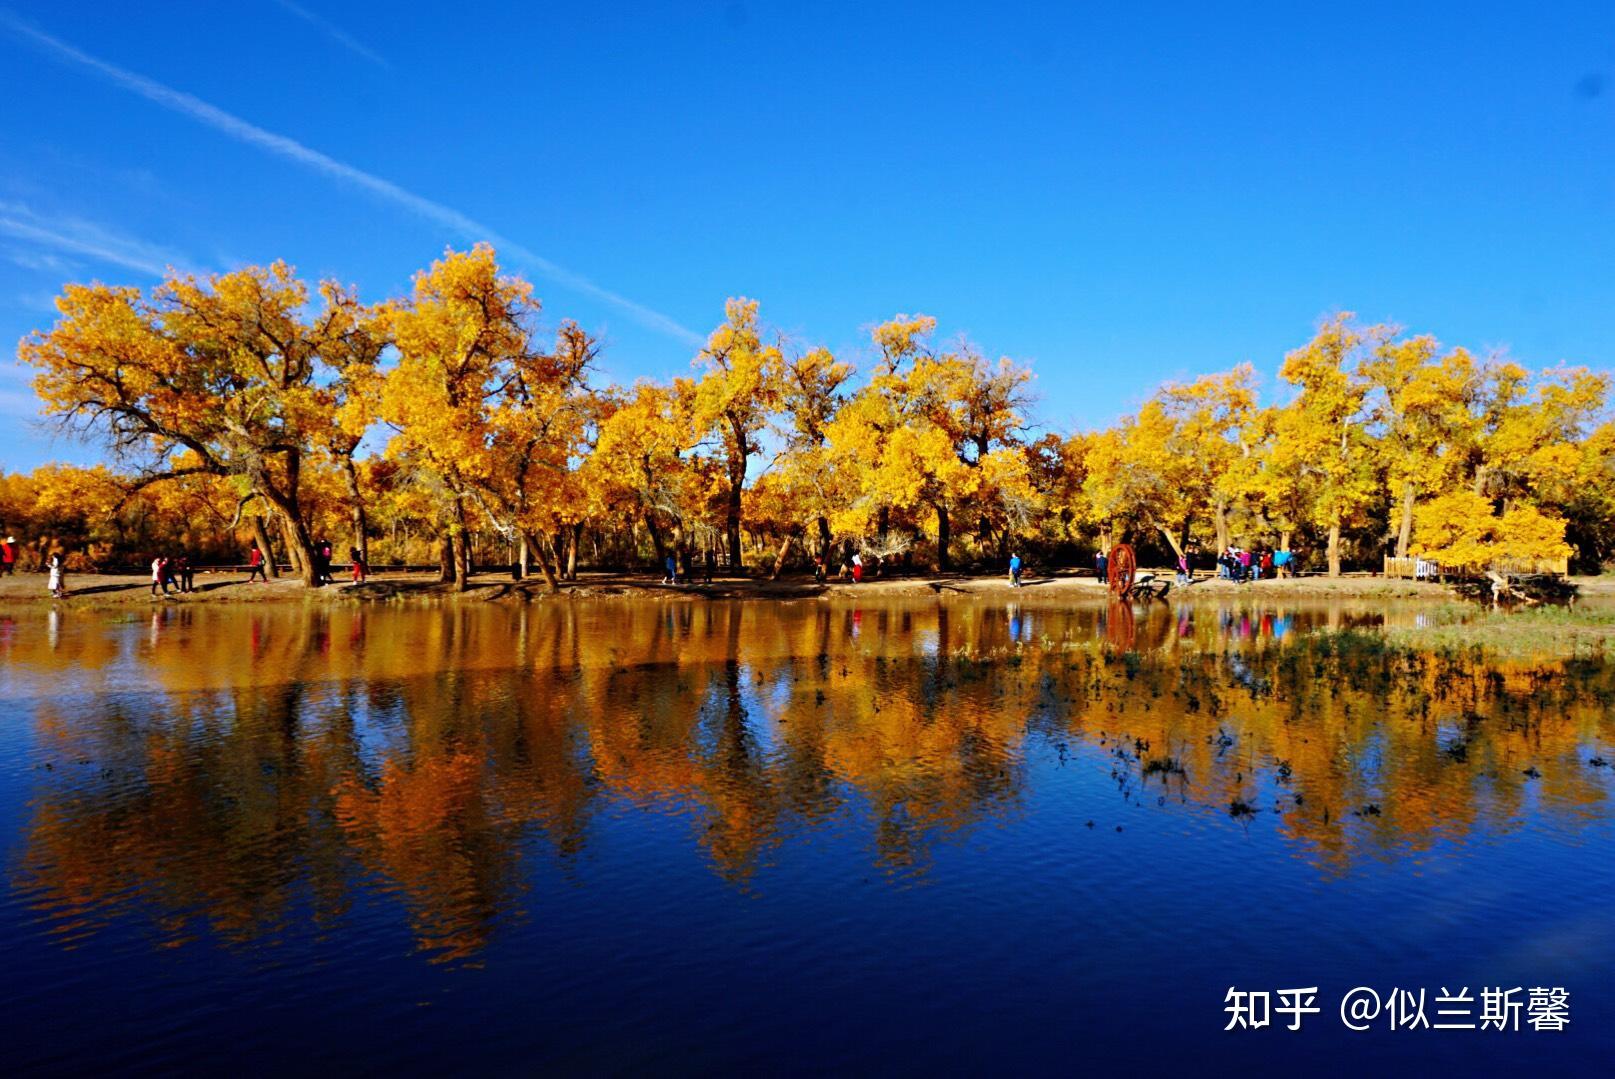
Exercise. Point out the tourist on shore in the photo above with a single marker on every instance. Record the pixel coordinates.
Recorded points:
(58, 576)
(255, 565)
(159, 575)
(359, 567)
(1281, 562)
(1101, 566)
(186, 575)
(818, 568)
(711, 563)
(671, 564)
(1015, 569)
(8, 556)
(1244, 565)
(1266, 565)
(1184, 576)
(857, 568)
(323, 558)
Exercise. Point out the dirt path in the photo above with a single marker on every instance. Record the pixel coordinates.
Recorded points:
(135, 589)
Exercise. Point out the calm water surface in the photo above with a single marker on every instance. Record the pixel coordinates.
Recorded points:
(785, 836)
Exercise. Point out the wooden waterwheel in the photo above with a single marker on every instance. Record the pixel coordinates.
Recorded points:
(1123, 570)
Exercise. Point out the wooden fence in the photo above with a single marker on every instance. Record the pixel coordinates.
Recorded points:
(1423, 568)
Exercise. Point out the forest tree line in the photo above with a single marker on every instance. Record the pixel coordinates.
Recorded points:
(446, 427)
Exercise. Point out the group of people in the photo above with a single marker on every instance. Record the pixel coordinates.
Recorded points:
(173, 571)
(257, 566)
(1239, 564)
(679, 565)
(1234, 563)
(857, 567)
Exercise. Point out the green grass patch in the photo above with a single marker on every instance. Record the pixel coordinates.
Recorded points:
(1521, 632)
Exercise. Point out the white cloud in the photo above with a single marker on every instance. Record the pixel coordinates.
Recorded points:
(382, 189)
(30, 259)
(77, 236)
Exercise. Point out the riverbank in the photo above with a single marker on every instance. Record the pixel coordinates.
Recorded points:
(114, 590)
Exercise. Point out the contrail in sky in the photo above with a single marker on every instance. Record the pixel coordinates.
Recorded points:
(334, 32)
(282, 146)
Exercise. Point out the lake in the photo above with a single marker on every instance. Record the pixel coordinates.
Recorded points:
(634, 835)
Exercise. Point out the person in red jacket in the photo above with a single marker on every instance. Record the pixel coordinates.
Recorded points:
(255, 565)
(8, 556)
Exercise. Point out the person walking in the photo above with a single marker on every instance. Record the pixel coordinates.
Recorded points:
(1184, 575)
(672, 566)
(1015, 569)
(325, 562)
(359, 567)
(159, 575)
(1101, 566)
(8, 556)
(711, 563)
(187, 575)
(58, 576)
(255, 565)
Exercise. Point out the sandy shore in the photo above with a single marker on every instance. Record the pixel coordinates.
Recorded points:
(135, 589)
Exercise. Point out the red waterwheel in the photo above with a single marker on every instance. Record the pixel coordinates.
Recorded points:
(1123, 569)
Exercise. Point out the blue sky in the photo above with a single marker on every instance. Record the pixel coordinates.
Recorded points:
(1117, 196)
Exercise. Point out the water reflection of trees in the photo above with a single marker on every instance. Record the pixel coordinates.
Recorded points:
(432, 751)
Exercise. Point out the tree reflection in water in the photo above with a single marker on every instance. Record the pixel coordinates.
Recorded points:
(233, 771)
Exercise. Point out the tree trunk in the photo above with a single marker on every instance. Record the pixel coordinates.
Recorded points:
(732, 522)
(576, 541)
(824, 539)
(445, 558)
(656, 538)
(361, 523)
(524, 555)
(260, 535)
(549, 564)
(943, 536)
(1219, 518)
(461, 558)
(1177, 548)
(298, 545)
(779, 559)
(1405, 532)
(1334, 548)
(283, 497)
(463, 564)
